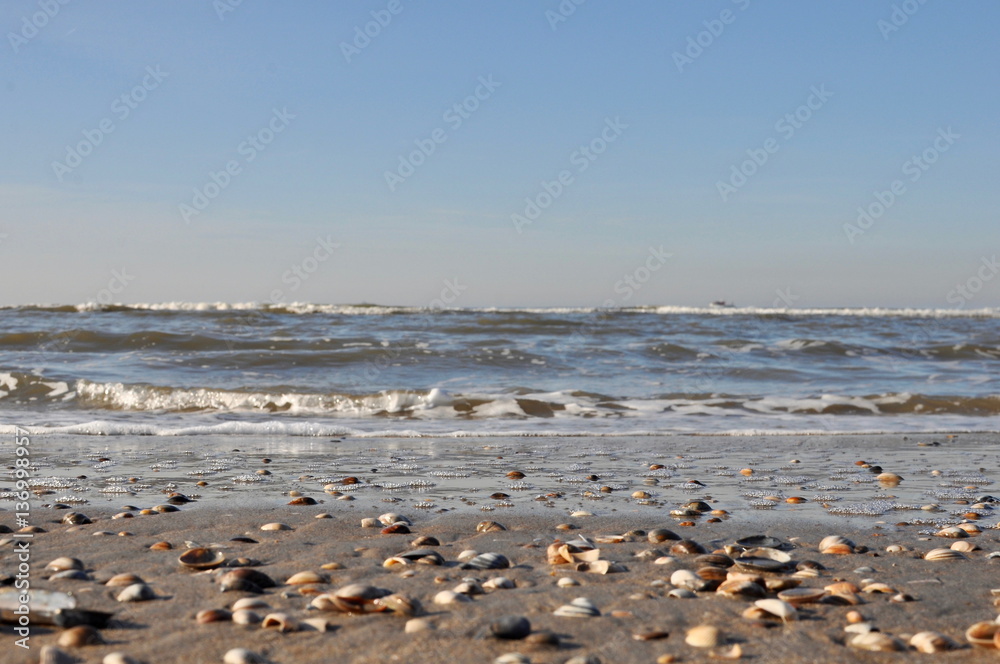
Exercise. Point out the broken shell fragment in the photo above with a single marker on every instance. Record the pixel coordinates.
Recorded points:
(281, 621)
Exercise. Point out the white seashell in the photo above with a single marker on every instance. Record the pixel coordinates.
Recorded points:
(118, 658)
(932, 642)
(275, 526)
(703, 636)
(317, 624)
(895, 548)
(250, 603)
(369, 523)
(779, 608)
(684, 578)
(682, 593)
(282, 621)
(664, 560)
(512, 658)
(450, 597)
(242, 656)
(415, 625)
(469, 588)
(581, 607)
(467, 555)
(875, 641)
(390, 518)
(246, 617)
(64, 563)
(499, 582)
(944, 554)
(566, 582)
(137, 592)
(859, 628)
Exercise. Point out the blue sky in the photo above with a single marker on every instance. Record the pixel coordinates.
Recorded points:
(312, 217)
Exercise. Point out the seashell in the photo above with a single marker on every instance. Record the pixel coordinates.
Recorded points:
(369, 523)
(165, 509)
(601, 567)
(487, 561)
(467, 555)
(876, 641)
(703, 636)
(470, 587)
(687, 547)
(331, 566)
(246, 617)
(246, 580)
(489, 527)
(683, 578)
(213, 615)
(422, 556)
(581, 607)
(878, 588)
(450, 597)
(75, 519)
(119, 580)
(983, 634)
(396, 529)
(854, 617)
(567, 582)
(512, 658)
(657, 535)
(970, 528)
(741, 589)
(836, 545)
(964, 546)
(306, 577)
(760, 541)
(425, 540)
(952, 532)
(242, 656)
(944, 554)
(81, 635)
(390, 518)
(137, 592)
(763, 559)
(161, 546)
(799, 596)
(353, 598)
(71, 575)
(53, 655)
(281, 621)
(888, 479)
(317, 625)
(932, 642)
(716, 559)
(895, 548)
(401, 604)
(275, 526)
(201, 558)
(302, 500)
(756, 613)
(118, 658)
(511, 627)
(682, 593)
(782, 584)
(841, 599)
(842, 588)
(860, 628)
(415, 625)
(65, 563)
(712, 573)
(498, 582)
(250, 603)
(779, 608)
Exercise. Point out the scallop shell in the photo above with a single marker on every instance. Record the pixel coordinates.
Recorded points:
(581, 607)
(202, 558)
(703, 636)
(837, 545)
(281, 621)
(487, 561)
(932, 642)
(944, 554)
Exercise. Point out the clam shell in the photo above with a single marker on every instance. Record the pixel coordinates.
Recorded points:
(982, 634)
(389, 518)
(213, 615)
(932, 642)
(657, 535)
(779, 608)
(842, 588)
(878, 588)
(600, 567)
(837, 545)
(64, 564)
(400, 604)
(687, 547)
(760, 541)
(118, 658)
(281, 621)
(952, 532)
(684, 578)
(306, 577)
(740, 589)
(201, 558)
(423, 556)
(121, 580)
(682, 593)
(471, 587)
(242, 656)
(716, 559)
(244, 578)
(487, 561)
(944, 554)
(275, 526)
(797, 596)
(763, 559)
(246, 617)
(875, 641)
(965, 546)
(81, 635)
(581, 607)
(75, 519)
(250, 603)
(499, 582)
(137, 592)
(450, 597)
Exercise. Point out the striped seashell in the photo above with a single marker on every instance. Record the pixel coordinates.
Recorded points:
(487, 561)
(944, 554)
(581, 607)
(836, 545)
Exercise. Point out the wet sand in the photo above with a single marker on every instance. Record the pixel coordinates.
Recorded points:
(448, 486)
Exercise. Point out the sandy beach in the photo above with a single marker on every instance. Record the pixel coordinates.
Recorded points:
(613, 492)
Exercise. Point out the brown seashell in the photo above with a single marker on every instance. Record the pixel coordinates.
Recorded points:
(657, 535)
(836, 545)
(983, 634)
(515, 475)
(213, 615)
(739, 589)
(303, 500)
(396, 529)
(400, 604)
(687, 547)
(782, 584)
(75, 519)
(715, 559)
(81, 635)
(650, 636)
(302, 578)
(842, 587)
(489, 527)
(795, 500)
(161, 546)
(712, 573)
(121, 580)
(202, 558)
(800, 596)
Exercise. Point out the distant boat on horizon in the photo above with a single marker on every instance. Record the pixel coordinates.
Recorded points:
(721, 304)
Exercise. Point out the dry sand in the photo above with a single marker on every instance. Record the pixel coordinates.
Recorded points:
(445, 486)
